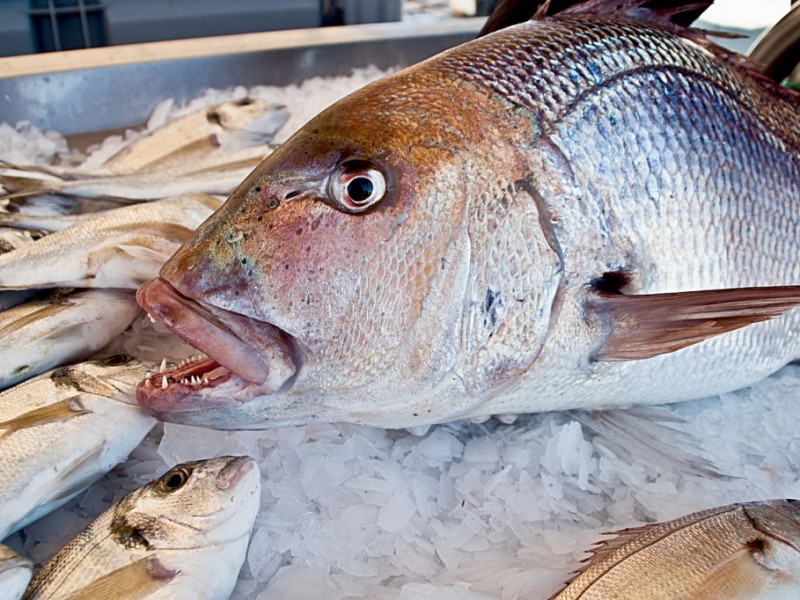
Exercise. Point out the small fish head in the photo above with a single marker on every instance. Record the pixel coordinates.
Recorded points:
(350, 241)
(777, 545)
(195, 503)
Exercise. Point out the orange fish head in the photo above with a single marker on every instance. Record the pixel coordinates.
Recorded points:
(331, 284)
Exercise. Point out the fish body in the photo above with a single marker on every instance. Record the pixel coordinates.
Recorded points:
(214, 174)
(63, 430)
(48, 332)
(581, 211)
(15, 573)
(228, 126)
(183, 536)
(119, 248)
(736, 552)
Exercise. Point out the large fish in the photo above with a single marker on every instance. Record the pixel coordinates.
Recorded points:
(592, 209)
(736, 552)
(183, 536)
(62, 431)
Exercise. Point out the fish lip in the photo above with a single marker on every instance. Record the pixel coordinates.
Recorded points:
(208, 329)
(234, 471)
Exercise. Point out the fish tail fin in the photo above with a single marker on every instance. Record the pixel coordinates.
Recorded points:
(20, 186)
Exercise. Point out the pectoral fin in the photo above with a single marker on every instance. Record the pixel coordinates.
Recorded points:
(135, 581)
(648, 325)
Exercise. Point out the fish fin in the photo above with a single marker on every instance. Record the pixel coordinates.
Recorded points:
(514, 290)
(51, 413)
(643, 326)
(143, 253)
(135, 581)
(510, 12)
(624, 543)
(738, 577)
(667, 13)
(15, 186)
(83, 472)
(644, 432)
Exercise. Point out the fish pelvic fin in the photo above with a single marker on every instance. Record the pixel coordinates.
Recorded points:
(644, 326)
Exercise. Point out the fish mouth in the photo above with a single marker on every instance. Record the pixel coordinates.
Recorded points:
(239, 352)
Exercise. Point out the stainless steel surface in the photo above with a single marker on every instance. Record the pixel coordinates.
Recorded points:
(119, 95)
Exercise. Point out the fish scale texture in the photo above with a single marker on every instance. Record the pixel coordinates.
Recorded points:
(652, 158)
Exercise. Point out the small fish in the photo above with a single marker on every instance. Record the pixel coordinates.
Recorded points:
(215, 174)
(594, 208)
(183, 536)
(15, 573)
(229, 126)
(736, 552)
(61, 328)
(119, 248)
(63, 430)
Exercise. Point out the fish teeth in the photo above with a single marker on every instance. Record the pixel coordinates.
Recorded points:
(148, 383)
(205, 379)
(152, 320)
(163, 366)
(164, 382)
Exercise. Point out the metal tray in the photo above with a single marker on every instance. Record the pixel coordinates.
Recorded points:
(103, 89)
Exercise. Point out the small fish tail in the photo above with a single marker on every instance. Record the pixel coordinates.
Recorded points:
(14, 186)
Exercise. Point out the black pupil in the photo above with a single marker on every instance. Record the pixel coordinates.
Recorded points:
(175, 481)
(360, 189)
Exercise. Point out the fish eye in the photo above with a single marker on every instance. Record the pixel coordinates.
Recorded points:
(174, 479)
(117, 360)
(356, 185)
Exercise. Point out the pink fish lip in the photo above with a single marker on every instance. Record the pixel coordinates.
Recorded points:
(234, 471)
(238, 352)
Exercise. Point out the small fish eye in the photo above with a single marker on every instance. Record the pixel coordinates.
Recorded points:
(244, 101)
(213, 117)
(175, 479)
(117, 360)
(357, 185)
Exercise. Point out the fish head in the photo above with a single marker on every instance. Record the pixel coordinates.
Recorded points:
(247, 121)
(777, 547)
(194, 504)
(332, 284)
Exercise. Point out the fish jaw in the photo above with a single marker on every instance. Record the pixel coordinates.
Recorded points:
(243, 354)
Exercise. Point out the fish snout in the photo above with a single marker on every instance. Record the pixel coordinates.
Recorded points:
(233, 472)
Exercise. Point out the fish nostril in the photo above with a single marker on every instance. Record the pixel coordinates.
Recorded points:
(292, 194)
(233, 236)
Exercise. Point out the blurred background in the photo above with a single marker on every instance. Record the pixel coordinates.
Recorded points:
(34, 26)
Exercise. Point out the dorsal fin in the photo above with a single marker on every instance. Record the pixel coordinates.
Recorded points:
(671, 12)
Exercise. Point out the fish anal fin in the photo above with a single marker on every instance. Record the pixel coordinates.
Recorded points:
(645, 326)
(135, 581)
